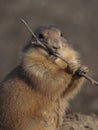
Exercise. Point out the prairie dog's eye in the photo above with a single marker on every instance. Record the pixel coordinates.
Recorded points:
(41, 36)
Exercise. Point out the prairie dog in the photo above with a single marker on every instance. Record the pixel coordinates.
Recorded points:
(35, 95)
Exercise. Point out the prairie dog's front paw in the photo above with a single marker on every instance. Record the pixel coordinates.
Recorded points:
(73, 67)
(83, 70)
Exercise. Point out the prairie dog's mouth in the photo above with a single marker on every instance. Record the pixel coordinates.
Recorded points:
(55, 46)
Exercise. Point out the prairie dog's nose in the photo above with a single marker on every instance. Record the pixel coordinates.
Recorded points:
(56, 45)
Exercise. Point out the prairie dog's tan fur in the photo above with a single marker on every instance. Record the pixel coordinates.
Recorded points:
(34, 96)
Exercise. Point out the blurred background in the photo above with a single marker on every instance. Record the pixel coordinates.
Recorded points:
(78, 20)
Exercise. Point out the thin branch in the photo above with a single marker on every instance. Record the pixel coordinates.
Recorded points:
(29, 29)
(37, 40)
(57, 55)
(93, 82)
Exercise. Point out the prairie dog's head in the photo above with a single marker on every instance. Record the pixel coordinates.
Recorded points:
(51, 36)
(48, 35)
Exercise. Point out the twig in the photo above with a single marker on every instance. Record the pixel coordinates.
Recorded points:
(93, 82)
(37, 40)
(29, 29)
(57, 55)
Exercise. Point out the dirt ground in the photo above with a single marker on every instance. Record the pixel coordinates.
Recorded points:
(74, 121)
(78, 20)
